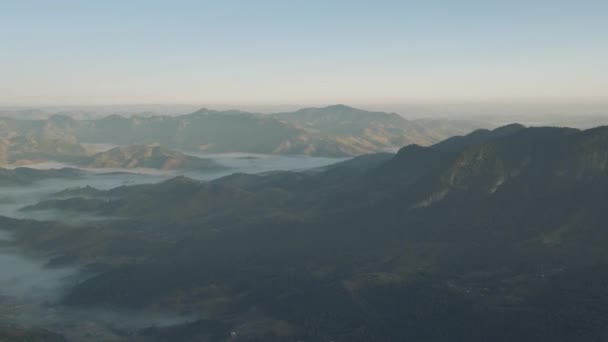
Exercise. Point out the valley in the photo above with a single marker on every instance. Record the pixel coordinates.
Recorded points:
(303, 171)
(25, 269)
(277, 248)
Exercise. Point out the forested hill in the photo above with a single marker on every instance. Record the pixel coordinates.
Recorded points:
(495, 236)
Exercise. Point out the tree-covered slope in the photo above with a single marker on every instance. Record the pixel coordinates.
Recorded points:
(494, 239)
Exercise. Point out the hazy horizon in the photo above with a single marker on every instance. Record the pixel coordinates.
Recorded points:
(342, 170)
(508, 111)
(271, 53)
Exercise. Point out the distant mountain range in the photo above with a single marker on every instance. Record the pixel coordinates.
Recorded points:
(331, 131)
(25, 176)
(149, 156)
(31, 149)
(499, 235)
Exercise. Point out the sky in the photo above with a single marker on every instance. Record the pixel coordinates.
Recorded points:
(64, 52)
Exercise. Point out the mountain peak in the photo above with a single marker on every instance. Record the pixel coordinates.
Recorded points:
(509, 129)
(181, 181)
(339, 106)
(202, 111)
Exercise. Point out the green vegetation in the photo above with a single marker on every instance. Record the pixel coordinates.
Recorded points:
(31, 335)
(495, 236)
(25, 176)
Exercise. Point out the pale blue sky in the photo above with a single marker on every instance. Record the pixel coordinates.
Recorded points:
(309, 52)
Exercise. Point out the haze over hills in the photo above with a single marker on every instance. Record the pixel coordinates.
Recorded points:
(303, 171)
(481, 224)
(32, 148)
(471, 114)
(149, 156)
(330, 131)
(502, 231)
(26, 176)
(29, 150)
(95, 112)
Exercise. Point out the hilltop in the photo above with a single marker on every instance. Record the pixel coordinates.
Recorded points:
(336, 130)
(149, 156)
(470, 239)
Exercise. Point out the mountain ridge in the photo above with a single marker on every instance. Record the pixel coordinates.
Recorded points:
(336, 130)
(424, 239)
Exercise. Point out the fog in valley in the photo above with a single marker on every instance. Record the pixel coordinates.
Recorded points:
(303, 171)
(31, 289)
